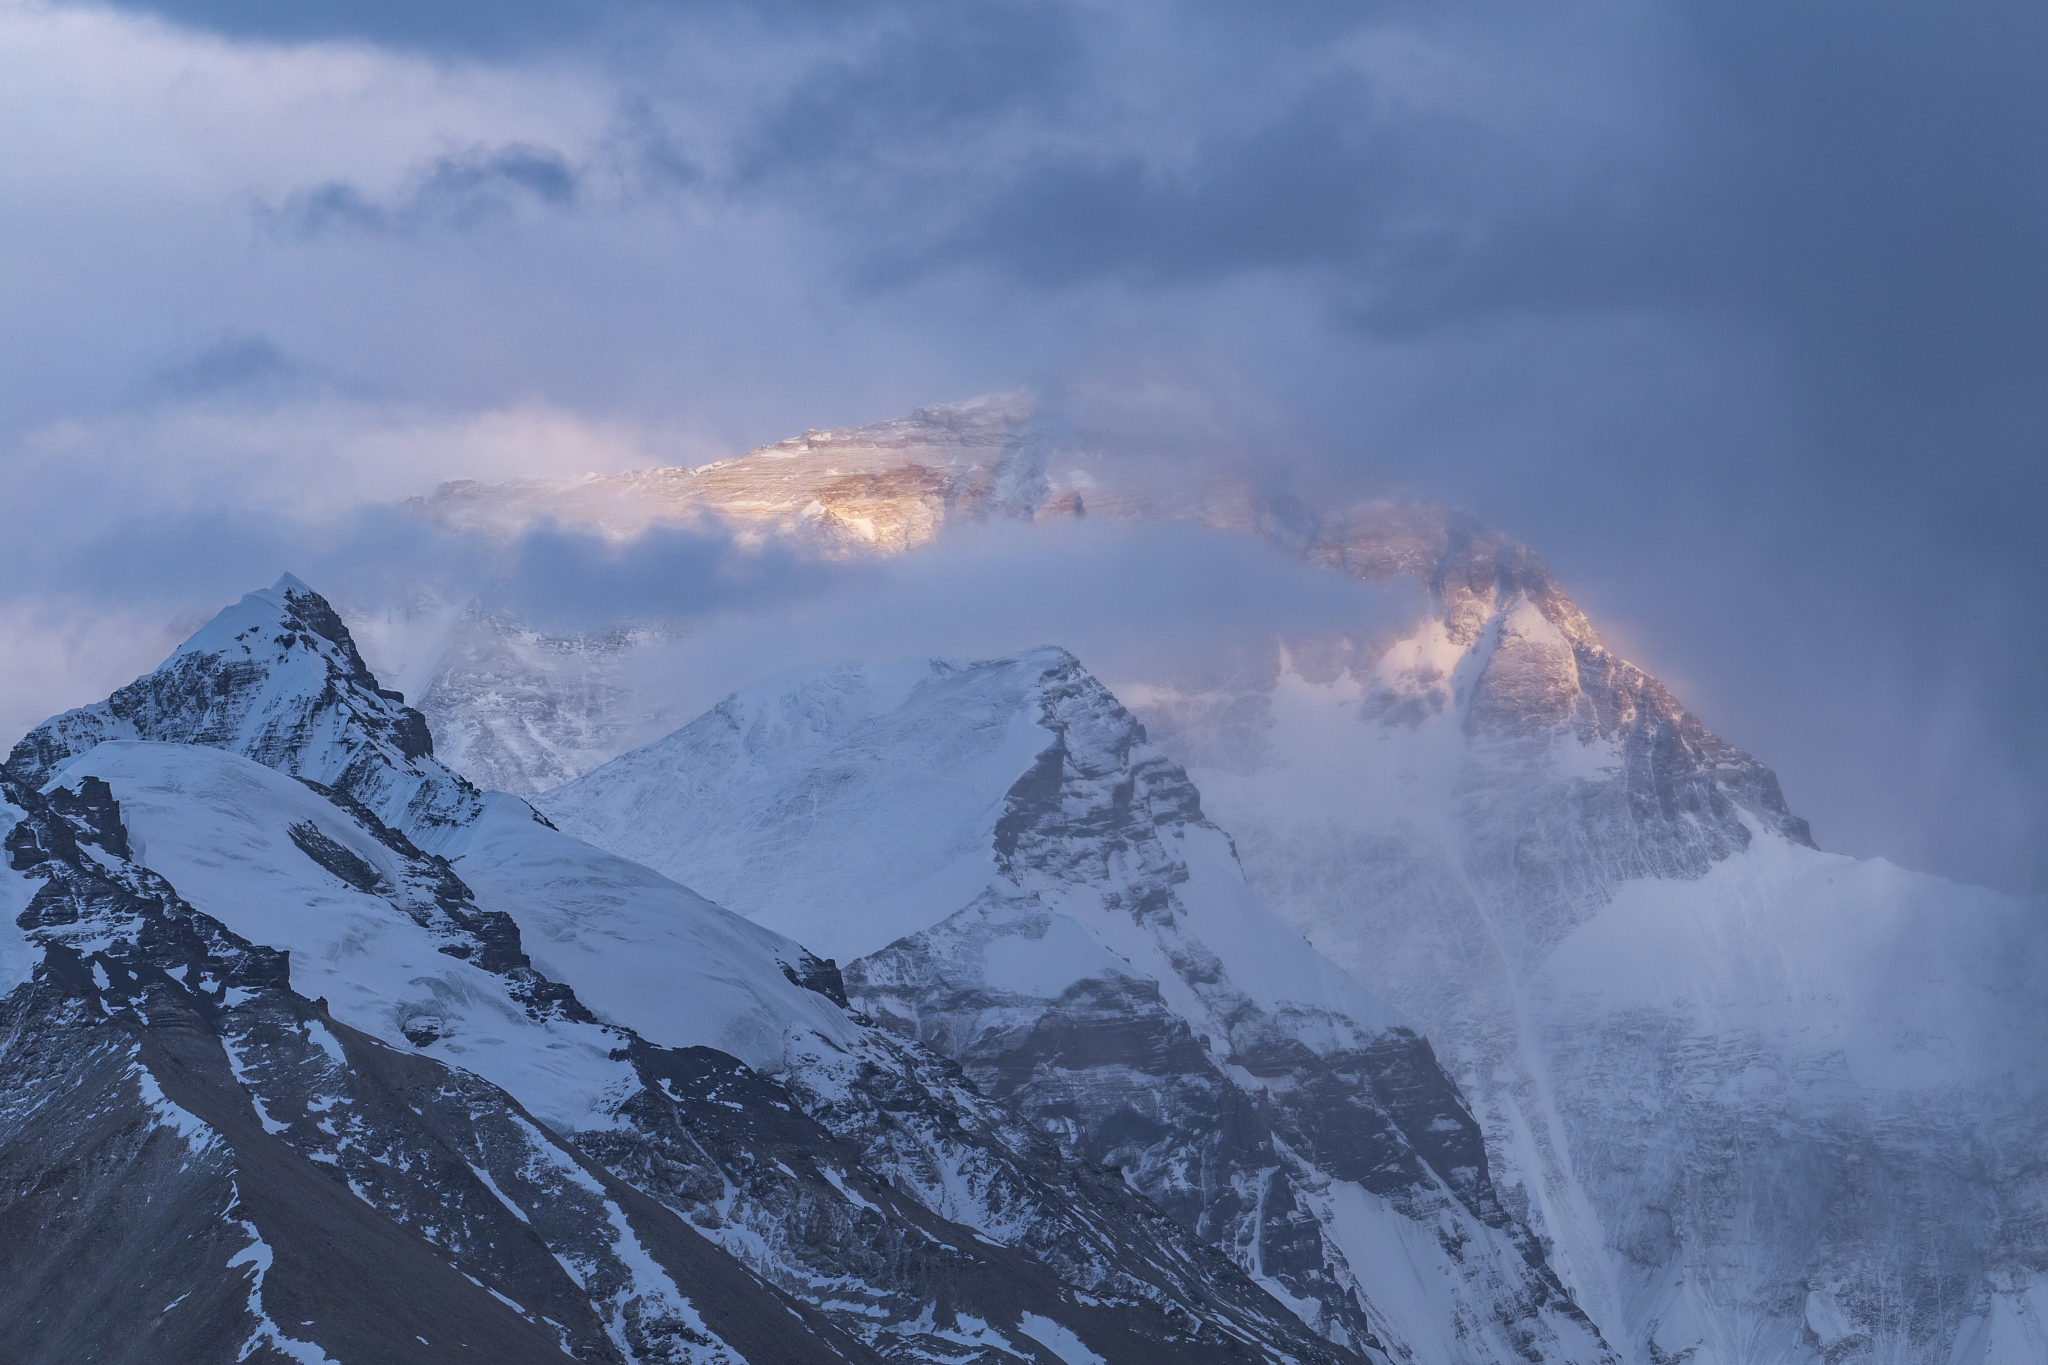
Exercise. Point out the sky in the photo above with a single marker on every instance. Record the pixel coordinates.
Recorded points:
(1736, 311)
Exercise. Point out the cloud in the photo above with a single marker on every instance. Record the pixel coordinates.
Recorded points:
(581, 582)
(919, 76)
(1131, 600)
(1734, 310)
(468, 26)
(120, 535)
(232, 363)
(458, 191)
(84, 613)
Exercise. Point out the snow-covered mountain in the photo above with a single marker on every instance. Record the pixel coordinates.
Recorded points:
(278, 678)
(1759, 1103)
(205, 1164)
(284, 1083)
(1762, 1103)
(1019, 880)
(1745, 1100)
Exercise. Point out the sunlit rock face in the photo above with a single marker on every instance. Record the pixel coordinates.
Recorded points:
(883, 488)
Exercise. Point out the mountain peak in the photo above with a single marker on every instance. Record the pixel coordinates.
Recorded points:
(290, 615)
(277, 678)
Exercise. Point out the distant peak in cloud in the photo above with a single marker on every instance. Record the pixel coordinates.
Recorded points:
(854, 493)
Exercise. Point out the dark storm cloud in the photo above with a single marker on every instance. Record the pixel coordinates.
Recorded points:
(1853, 174)
(494, 26)
(1842, 225)
(164, 564)
(497, 29)
(460, 190)
(911, 78)
(1311, 189)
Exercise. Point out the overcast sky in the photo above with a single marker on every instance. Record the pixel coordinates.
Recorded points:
(1736, 311)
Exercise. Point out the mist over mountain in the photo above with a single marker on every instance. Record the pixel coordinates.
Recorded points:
(1477, 809)
(1445, 768)
(1733, 310)
(1389, 967)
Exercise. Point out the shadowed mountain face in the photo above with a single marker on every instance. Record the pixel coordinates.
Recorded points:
(1756, 1103)
(207, 1165)
(319, 1065)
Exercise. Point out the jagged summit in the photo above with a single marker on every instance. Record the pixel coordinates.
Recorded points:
(290, 605)
(276, 680)
(277, 677)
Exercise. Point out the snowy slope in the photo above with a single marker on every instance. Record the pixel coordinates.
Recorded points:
(1849, 1075)
(1025, 884)
(891, 872)
(864, 1179)
(239, 841)
(202, 1164)
(852, 807)
(659, 958)
(277, 679)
